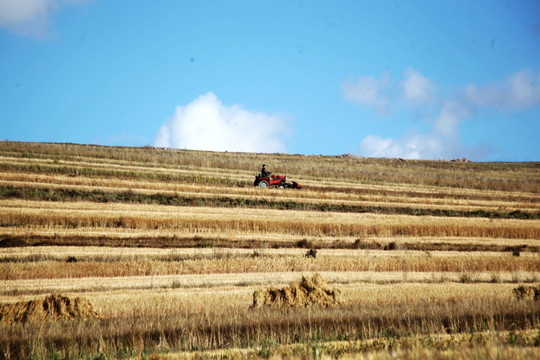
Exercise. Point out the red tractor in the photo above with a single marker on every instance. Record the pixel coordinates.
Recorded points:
(274, 181)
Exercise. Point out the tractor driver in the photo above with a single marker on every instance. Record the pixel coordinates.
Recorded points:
(264, 172)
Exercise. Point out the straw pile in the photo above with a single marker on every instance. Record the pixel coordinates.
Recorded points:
(53, 307)
(308, 292)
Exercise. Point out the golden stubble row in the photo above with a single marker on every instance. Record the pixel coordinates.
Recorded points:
(130, 167)
(424, 197)
(251, 263)
(246, 163)
(423, 194)
(34, 214)
(104, 253)
(211, 318)
(461, 346)
(27, 289)
(283, 196)
(222, 298)
(153, 302)
(308, 169)
(127, 239)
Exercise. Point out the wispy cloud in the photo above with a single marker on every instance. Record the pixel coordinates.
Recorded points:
(410, 146)
(29, 17)
(516, 92)
(367, 90)
(207, 124)
(416, 87)
(450, 115)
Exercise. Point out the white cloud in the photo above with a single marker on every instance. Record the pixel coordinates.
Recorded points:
(516, 92)
(207, 124)
(410, 146)
(367, 90)
(29, 17)
(416, 87)
(439, 142)
(447, 122)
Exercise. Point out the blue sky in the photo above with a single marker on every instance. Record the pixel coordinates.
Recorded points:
(411, 79)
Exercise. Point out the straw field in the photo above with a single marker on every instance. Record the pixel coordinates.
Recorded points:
(167, 250)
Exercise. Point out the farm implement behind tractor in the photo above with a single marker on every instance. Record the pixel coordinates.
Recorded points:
(276, 181)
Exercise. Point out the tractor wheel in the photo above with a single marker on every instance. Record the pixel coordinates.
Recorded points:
(263, 184)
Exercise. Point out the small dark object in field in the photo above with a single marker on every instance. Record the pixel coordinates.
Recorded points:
(12, 242)
(311, 253)
(359, 244)
(71, 259)
(527, 292)
(515, 252)
(306, 244)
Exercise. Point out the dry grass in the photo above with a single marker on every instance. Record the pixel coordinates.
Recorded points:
(479, 345)
(200, 295)
(42, 267)
(18, 290)
(277, 196)
(210, 319)
(419, 286)
(507, 177)
(111, 254)
(32, 214)
(178, 239)
(355, 195)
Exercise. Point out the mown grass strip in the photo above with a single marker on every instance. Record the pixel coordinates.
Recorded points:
(78, 173)
(56, 194)
(118, 173)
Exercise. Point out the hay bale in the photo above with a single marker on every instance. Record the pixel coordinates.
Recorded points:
(308, 292)
(53, 307)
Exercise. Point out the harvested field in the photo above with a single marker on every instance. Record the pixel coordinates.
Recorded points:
(175, 254)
